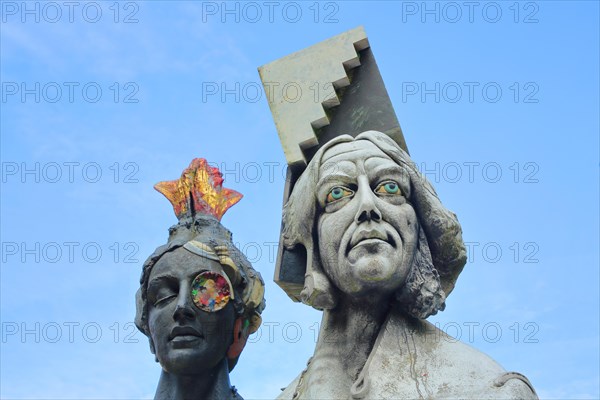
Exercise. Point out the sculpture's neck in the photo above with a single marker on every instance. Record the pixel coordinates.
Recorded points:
(213, 384)
(348, 334)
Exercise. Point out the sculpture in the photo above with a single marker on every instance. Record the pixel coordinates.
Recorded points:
(366, 239)
(199, 297)
(382, 255)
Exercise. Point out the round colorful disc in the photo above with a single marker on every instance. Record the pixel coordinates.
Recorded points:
(210, 291)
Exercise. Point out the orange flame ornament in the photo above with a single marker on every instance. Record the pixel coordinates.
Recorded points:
(199, 190)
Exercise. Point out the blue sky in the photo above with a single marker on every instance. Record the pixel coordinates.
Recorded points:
(102, 100)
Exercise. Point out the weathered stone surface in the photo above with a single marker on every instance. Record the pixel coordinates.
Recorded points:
(414, 360)
(359, 103)
(366, 239)
(300, 85)
(382, 254)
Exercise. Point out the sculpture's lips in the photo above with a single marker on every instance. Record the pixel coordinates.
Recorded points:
(364, 236)
(184, 332)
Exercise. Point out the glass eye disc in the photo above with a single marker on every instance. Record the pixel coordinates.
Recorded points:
(210, 291)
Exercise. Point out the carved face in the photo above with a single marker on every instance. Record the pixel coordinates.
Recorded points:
(187, 340)
(367, 230)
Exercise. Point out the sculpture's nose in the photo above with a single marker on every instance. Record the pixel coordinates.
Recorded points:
(184, 309)
(367, 207)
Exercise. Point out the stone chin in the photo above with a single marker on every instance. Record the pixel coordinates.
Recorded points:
(371, 265)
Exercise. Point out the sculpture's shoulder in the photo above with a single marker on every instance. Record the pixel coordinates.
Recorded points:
(513, 385)
(420, 361)
(509, 385)
(428, 363)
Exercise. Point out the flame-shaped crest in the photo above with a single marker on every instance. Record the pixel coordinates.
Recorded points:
(199, 190)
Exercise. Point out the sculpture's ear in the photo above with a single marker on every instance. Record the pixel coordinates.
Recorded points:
(318, 291)
(240, 337)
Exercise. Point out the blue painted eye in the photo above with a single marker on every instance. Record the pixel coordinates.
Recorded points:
(337, 193)
(388, 188)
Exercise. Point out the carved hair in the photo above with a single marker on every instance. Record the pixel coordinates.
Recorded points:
(441, 252)
(249, 300)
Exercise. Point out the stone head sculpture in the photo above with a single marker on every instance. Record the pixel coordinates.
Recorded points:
(370, 223)
(199, 297)
(366, 239)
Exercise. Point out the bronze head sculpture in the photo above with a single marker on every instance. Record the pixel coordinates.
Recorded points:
(199, 297)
